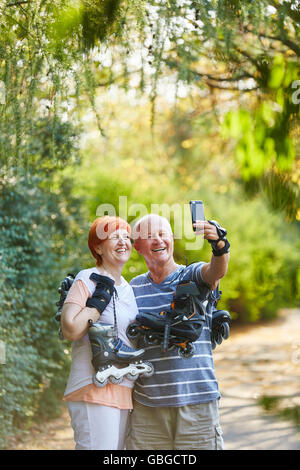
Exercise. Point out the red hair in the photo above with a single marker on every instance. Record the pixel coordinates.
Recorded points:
(100, 230)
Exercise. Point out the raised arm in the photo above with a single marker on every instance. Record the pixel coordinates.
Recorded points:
(213, 271)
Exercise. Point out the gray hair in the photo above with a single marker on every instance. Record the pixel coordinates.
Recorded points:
(146, 217)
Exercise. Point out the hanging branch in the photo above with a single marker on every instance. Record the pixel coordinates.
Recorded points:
(14, 4)
(287, 42)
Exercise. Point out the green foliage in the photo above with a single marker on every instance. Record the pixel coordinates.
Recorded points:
(263, 274)
(237, 47)
(98, 19)
(264, 263)
(67, 22)
(31, 266)
(264, 270)
(253, 46)
(87, 25)
(54, 55)
(273, 405)
(264, 149)
(36, 212)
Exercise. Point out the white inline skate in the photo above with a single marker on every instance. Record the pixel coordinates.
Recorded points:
(112, 359)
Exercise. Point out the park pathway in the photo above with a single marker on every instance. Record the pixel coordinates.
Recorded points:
(258, 360)
(263, 360)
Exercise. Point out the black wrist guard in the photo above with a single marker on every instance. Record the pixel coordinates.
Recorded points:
(222, 232)
(103, 292)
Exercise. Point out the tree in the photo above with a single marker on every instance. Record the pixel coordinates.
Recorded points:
(245, 49)
(250, 50)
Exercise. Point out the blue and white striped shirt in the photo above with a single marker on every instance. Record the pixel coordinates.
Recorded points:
(177, 381)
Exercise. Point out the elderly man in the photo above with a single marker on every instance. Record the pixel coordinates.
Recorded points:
(176, 408)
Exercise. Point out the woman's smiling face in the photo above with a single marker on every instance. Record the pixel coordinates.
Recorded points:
(116, 249)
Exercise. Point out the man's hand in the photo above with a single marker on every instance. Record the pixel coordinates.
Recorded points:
(213, 271)
(214, 234)
(208, 231)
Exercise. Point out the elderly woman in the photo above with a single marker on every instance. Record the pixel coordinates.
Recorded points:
(99, 414)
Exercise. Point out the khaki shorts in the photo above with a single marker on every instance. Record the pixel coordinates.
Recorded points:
(193, 427)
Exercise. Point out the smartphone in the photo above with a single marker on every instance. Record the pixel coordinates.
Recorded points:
(197, 211)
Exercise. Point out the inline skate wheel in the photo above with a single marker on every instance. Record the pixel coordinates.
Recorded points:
(150, 371)
(133, 374)
(132, 332)
(98, 383)
(115, 380)
(149, 338)
(140, 370)
(188, 351)
(132, 377)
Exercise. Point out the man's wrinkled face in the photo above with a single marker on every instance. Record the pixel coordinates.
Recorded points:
(155, 240)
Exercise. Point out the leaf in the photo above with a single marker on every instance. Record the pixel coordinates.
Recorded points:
(277, 72)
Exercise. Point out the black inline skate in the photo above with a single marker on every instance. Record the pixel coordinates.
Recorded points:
(63, 292)
(220, 320)
(112, 359)
(178, 327)
(220, 328)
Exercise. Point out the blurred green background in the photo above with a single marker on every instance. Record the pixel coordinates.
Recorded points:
(159, 102)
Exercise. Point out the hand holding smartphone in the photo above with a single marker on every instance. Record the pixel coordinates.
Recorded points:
(197, 212)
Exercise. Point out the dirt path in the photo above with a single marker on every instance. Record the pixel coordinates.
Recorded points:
(265, 360)
(261, 360)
